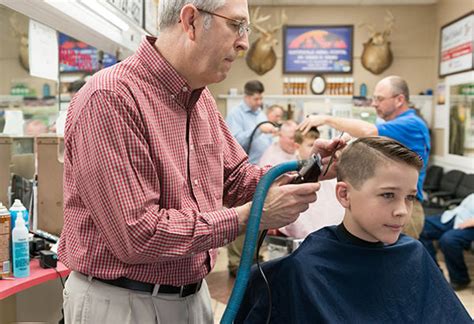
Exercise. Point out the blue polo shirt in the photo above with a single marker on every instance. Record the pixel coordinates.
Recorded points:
(411, 131)
(242, 121)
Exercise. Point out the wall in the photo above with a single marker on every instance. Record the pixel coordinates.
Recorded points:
(10, 69)
(447, 11)
(414, 45)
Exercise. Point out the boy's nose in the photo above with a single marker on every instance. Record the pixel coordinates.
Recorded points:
(402, 209)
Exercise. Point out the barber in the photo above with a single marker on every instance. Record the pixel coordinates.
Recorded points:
(149, 166)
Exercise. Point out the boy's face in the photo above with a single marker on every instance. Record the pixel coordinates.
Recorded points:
(305, 148)
(382, 206)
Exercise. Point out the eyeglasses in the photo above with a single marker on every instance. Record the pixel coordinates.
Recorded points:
(380, 98)
(241, 25)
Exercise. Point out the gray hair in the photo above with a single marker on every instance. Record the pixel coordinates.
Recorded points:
(399, 86)
(169, 10)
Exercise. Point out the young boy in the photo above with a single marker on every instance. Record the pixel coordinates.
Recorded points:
(363, 270)
(326, 210)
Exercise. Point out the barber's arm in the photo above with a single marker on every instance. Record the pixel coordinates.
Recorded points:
(354, 127)
(286, 201)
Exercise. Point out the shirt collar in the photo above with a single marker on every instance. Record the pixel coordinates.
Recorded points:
(344, 235)
(408, 112)
(166, 74)
(247, 109)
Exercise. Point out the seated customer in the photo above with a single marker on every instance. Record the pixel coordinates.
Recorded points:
(454, 230)
(363, 270)
(284, 149)
(326, 210)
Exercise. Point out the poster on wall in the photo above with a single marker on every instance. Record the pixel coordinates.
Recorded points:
(456, 46)
(77, 56)
(318, 49)
(43, 51)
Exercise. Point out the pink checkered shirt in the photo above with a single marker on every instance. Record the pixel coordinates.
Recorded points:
(141, 200)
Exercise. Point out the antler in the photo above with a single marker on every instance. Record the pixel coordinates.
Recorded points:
(283, 20)
(389, 24)
(370, 27)
(257, 19)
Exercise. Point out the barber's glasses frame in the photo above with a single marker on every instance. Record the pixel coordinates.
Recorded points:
(379, 99)
(243, 27)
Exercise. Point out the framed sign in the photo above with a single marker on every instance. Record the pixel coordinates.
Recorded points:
(77, 56)
(457, 45)
(133, 9)
(318, 49)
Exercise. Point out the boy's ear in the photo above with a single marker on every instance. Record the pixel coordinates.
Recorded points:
(343, 194)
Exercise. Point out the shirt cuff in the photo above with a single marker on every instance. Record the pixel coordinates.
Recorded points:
(225, 226)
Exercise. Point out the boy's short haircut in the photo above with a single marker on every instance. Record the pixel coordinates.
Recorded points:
(360, 159)
(253, 87)
(313, 134)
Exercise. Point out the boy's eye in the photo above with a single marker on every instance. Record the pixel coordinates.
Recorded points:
(411, 197)
(388, 195)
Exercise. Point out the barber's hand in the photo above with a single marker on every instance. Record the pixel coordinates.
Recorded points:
(466, 224)
(312, 121)
(268, 129)
(326, 148)
(285, 202)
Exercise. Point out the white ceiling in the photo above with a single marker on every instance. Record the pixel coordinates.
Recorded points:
(338, 2)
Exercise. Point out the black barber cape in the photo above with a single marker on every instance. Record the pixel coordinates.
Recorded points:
(334, 277)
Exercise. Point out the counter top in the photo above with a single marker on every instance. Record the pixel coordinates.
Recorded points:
(37, 276)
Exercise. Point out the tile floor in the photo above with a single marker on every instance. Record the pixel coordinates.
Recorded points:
(220, 285)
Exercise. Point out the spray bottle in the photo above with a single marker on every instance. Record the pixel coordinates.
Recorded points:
(5, 232)
(20, 248)
(15, 209)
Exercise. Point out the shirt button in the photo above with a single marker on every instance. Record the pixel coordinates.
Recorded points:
(185, 89)
(196, 182)
(173, 96)
(226, 241)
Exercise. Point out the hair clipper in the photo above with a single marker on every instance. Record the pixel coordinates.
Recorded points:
(310, 170)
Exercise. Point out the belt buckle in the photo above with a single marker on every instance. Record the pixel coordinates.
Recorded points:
(183, 293)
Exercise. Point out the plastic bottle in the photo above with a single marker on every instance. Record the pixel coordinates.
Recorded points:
(20, 248)
(18, 207)
(5, 232)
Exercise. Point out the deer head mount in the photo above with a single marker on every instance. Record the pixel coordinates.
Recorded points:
(261, 56)
(377, 55)
(20, 31)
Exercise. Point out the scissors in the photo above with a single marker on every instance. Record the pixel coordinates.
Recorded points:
(331, 159)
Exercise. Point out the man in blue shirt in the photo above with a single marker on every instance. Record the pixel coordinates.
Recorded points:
(390, 100)
(243, 119)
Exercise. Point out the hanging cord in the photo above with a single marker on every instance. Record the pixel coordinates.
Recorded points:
(249, 146)
(269, 291)
(57, 272)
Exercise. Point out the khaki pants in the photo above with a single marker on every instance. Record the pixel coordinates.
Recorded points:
(91, 301)
(415, 226)
(234, 252)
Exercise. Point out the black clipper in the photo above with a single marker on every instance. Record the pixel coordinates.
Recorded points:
(310, 170)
